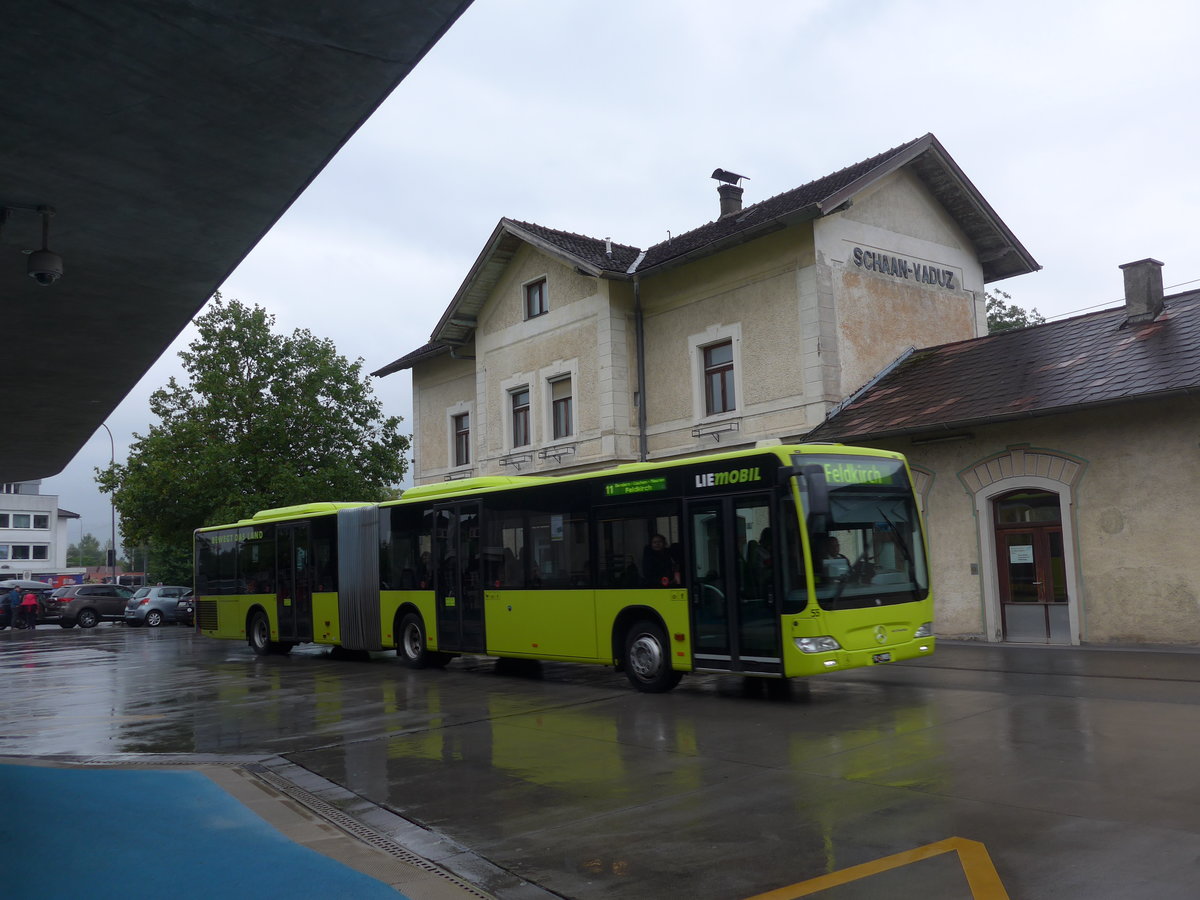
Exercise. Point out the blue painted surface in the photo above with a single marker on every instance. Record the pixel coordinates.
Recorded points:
(128, 833)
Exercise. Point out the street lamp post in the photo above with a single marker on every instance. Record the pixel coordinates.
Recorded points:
(112, 448)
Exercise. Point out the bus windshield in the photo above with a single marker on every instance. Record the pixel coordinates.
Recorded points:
(868, 550)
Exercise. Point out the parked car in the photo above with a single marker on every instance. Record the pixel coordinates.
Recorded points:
(186, 608)
(153, 606)
(86, 605)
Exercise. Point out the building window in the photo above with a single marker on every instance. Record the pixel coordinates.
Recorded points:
(535, 298)
(462, 439)
(3, 520)
(718, 379)
(21, 520)
(520, 417)
(27, 551)
(560, 407)
(41, 522)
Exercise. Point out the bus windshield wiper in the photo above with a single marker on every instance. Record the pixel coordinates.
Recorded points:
(899, 537)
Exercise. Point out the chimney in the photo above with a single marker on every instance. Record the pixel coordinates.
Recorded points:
(731, 199)
(1143, 290)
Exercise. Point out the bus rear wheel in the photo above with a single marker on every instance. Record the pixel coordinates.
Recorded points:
(412, 648)
(648, 659)
(259, 634)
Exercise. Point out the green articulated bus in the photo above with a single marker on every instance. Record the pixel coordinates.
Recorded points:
(778, 561)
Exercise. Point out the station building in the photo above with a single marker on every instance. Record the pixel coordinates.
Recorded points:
(784, 320)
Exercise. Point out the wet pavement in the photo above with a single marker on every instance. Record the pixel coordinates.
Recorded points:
(984, 771)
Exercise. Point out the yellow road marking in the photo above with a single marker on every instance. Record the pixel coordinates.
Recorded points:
(982, 877)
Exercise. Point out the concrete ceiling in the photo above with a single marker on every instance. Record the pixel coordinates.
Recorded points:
(168, 136)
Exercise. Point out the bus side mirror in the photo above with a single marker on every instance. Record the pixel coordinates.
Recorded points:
(817, 492)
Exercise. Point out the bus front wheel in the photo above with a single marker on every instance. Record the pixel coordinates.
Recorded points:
(648, 659)
(412, 648)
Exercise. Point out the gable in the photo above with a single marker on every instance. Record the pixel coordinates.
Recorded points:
(505, 305)
(901, 204)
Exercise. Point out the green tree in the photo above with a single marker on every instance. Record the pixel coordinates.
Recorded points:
(264, 420)
(87, 552)
(1003, 315)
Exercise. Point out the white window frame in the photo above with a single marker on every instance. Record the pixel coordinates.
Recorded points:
(459, 409)
(557, 371)
(697, 344)
(521, 381)
(29, 549)
(525, 285)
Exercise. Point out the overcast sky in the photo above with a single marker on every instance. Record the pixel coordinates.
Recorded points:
(1076, 120)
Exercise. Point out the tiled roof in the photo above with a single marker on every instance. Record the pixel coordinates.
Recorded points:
(428, 351)
(769, 210)
(1086, 361)
(1001, 254)
(592, 251)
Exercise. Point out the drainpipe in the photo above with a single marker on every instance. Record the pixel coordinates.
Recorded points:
(640, 334)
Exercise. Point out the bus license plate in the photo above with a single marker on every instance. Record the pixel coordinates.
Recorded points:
(881, 657)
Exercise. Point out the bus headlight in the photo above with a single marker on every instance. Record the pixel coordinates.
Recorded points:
(817, 644)
(925, 630)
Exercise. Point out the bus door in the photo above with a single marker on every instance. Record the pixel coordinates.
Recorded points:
(457, 552)
(293, 581)
(731, 585)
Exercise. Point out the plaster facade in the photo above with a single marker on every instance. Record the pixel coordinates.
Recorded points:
(1119, 473)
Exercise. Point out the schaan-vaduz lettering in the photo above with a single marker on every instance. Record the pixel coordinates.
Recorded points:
(903, 268)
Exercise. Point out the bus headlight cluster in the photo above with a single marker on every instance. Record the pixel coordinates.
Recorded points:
(821, 644)
(925, 630)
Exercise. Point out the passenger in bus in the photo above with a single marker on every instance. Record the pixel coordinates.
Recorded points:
(757, 574)
(659, 568)
(831, 564)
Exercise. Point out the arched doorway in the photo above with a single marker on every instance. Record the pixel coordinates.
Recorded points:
(1031, 567)
(1043, 480)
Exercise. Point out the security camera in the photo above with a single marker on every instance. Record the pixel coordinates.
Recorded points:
(45, 267)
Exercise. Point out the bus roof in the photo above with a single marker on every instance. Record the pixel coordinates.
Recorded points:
(463, 485)
(489, 483)
(303, 510)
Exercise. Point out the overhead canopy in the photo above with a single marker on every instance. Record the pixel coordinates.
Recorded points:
(168, 137)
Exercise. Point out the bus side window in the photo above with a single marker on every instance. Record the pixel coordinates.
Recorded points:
(400, 560)
(506, 532)
(626, 557)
